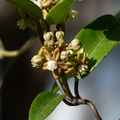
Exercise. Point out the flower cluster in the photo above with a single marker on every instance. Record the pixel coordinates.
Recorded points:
(45, 5)
(55, 56)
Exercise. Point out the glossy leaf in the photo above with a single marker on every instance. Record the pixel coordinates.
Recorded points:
(59, 12)
(29, 7)
(44, 104)
(98, 38)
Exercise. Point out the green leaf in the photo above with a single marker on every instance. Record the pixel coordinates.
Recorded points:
(29, 7)
(117, 16)
(98, 38)
(59, 12)
(44, 104)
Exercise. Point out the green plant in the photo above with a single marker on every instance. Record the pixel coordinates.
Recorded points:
(76, 59)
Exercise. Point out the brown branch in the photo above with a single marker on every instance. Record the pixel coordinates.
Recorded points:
(76, 88)
(92, 107)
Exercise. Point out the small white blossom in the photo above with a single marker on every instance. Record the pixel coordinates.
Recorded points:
(51, 65)
(82, 69)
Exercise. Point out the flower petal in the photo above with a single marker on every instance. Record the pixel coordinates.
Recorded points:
(45, 66)
(47, 55)
(56, 54)
(83, 60)
(71, 71)
(63, 65)
(79, 58)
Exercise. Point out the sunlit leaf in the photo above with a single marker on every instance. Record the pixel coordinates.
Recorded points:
(98, 38)
(29, 7)
(59, 12)
(44, 104)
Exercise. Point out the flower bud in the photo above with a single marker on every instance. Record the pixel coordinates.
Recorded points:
(83, 69)
(59, 34)
(72, 14)
(37, 61)
(64, 55)
(75, 44)
(48, 36)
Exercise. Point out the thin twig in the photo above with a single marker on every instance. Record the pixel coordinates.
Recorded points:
(22, 50)
(92, 107)
(40, 32)
(61, 88)
(15, 54)
(66, 85)
(76, 88)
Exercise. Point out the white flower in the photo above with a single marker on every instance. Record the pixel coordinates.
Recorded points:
(51, 65)
(82, 69)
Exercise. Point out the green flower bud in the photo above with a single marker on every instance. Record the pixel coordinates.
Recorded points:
(37, 61)
(72, 14)
(83, 69)
(49, 36)
(75, 44)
